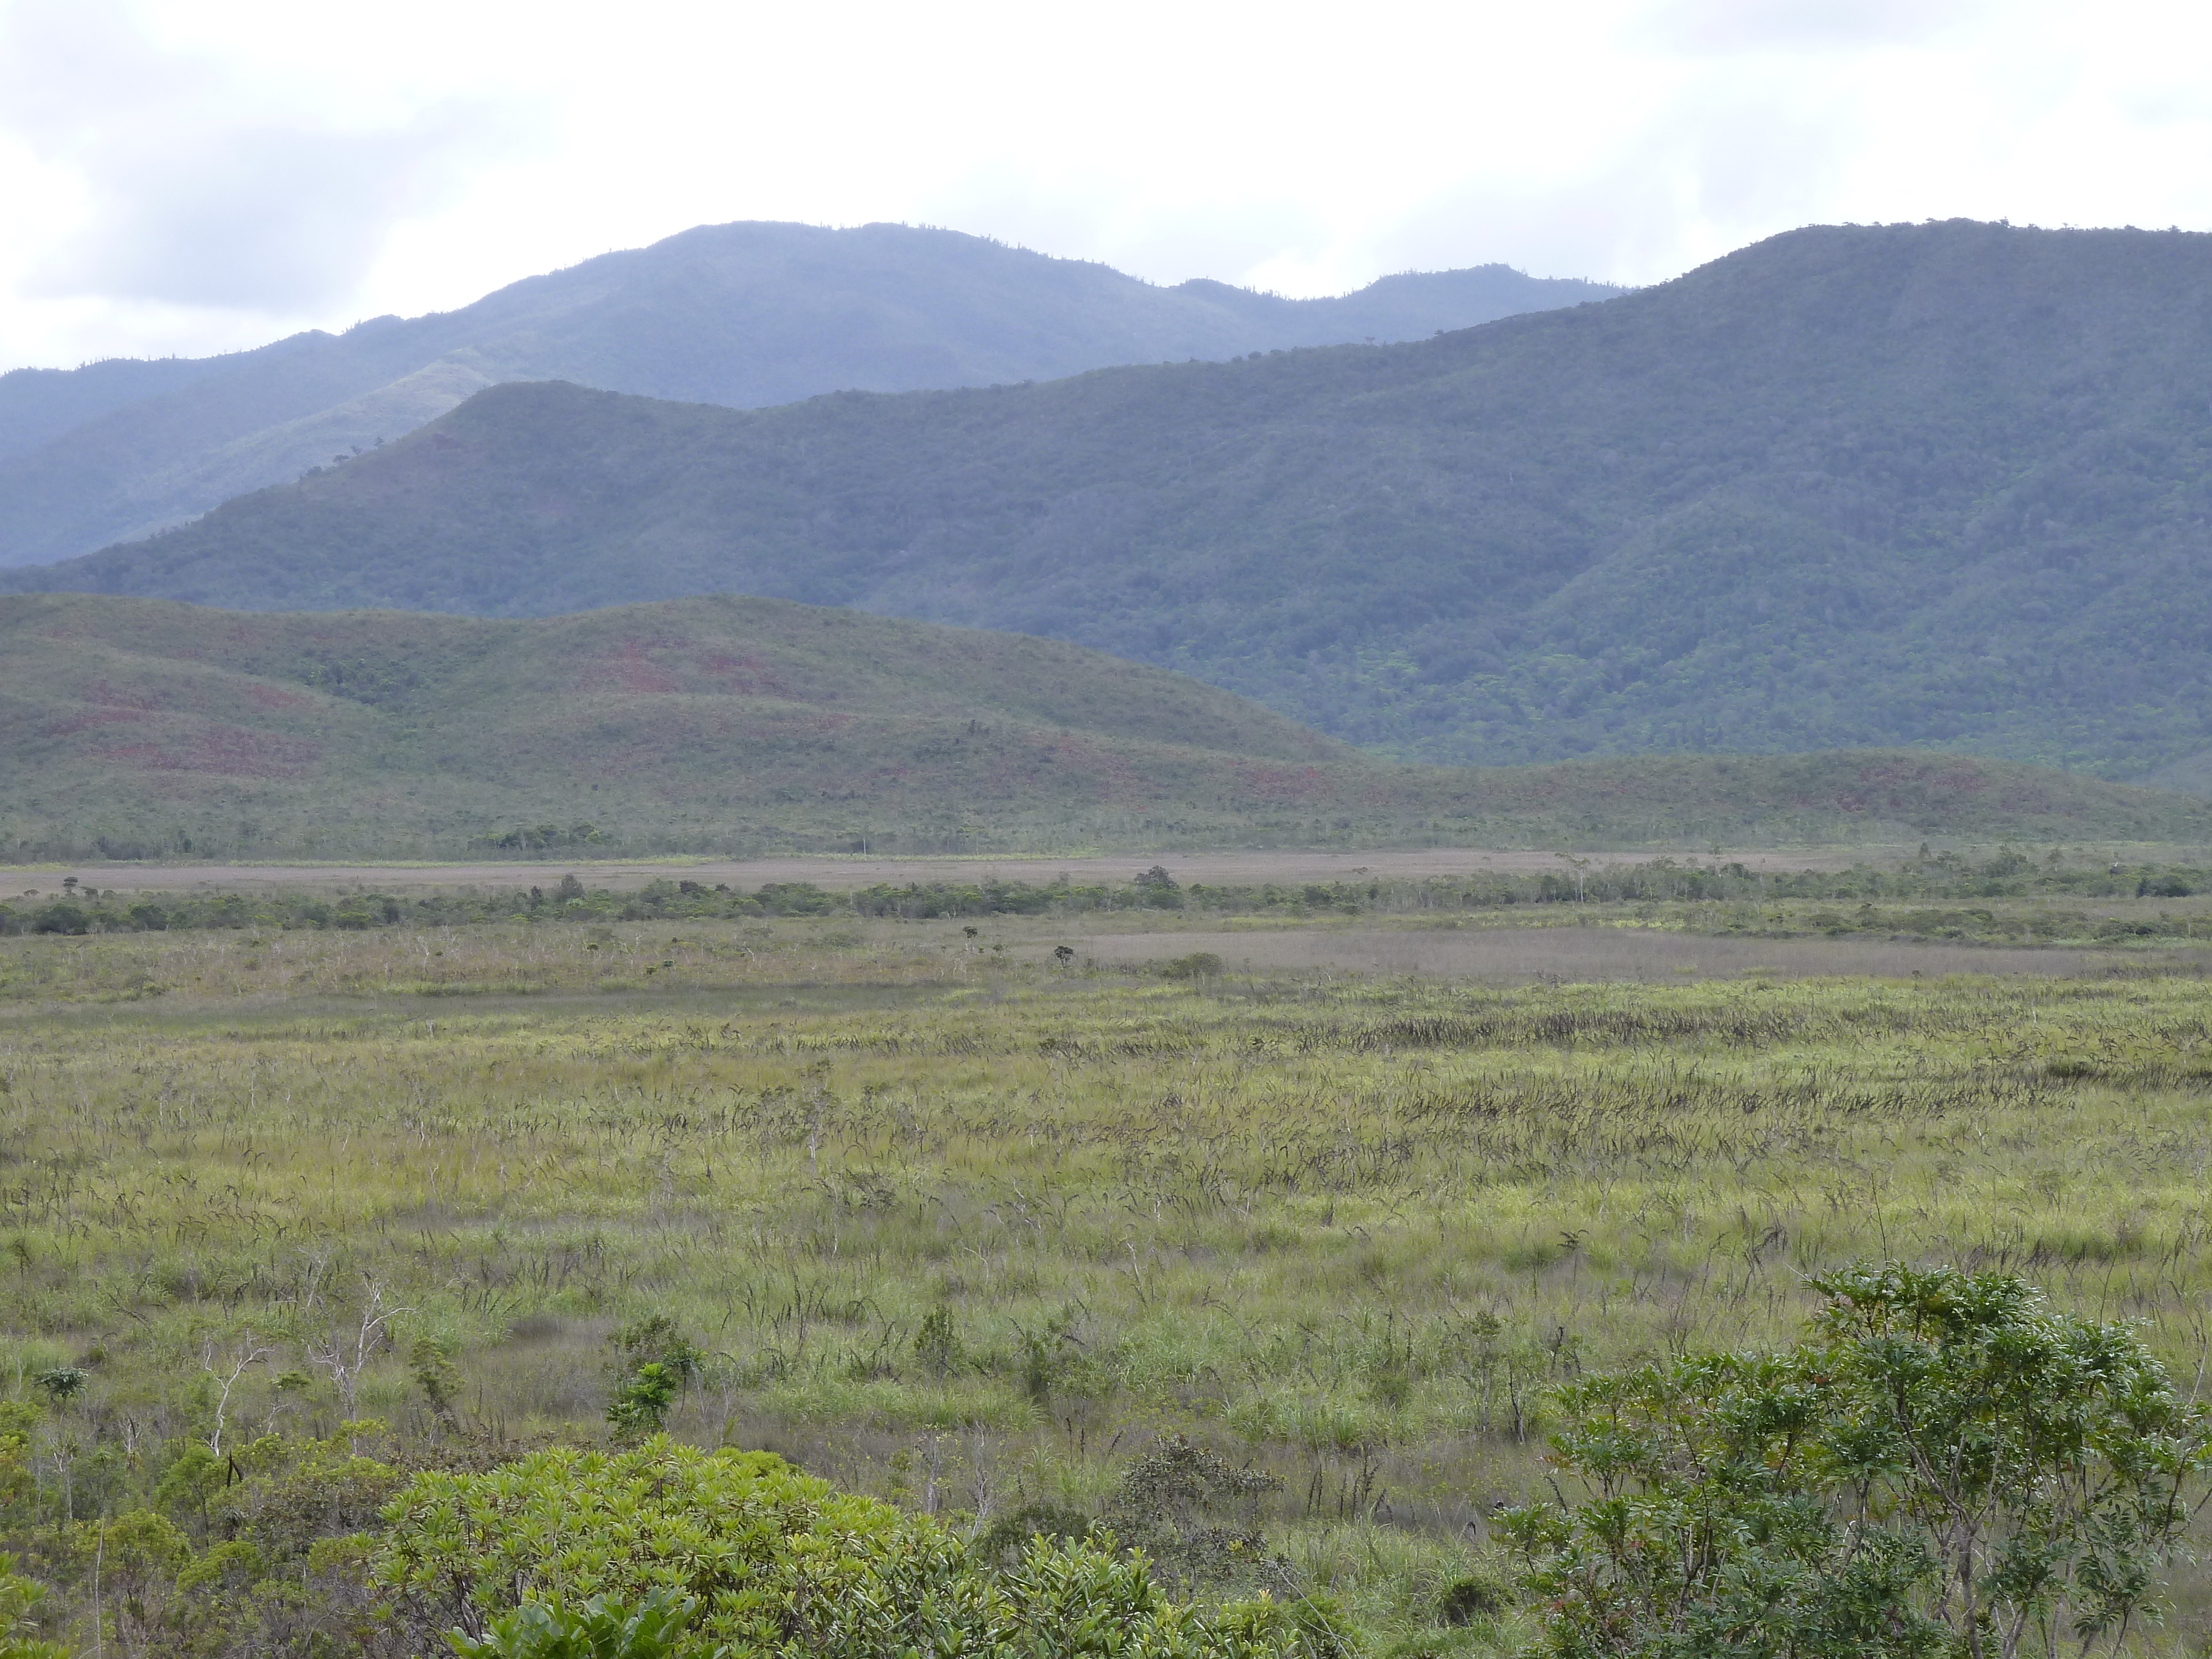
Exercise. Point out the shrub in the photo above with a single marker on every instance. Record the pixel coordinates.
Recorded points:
(19, 1616)
(753, 1539)
(430, 1363)
(1311, 1626)
(1008, 1538)
(63, 1384)
(1199, 965)
(1465, 1600)
(777, 1561)
(1945, 1468)
(642, 1401)
(937, 1344)
(601, 1628)
(1197, 1514)
(654, 1362)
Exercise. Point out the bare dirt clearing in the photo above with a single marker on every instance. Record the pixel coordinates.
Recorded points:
(1598, 953)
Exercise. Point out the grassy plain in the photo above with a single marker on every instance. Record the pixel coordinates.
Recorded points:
(1245, 867)
(1344, 1223)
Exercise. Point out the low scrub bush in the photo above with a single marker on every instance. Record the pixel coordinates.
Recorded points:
(777, 1561)
(1918, 883)
(1199, 965)
(1947, 1467)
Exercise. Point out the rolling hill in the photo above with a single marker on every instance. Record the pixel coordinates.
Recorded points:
(1943, 485)
(133, 728)
(744, 315)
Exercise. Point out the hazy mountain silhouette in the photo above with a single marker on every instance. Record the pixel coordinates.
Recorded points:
(746, 315)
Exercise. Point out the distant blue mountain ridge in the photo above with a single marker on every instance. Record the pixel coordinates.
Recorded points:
(745, 315)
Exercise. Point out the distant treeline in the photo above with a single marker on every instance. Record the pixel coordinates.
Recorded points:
(79, 908)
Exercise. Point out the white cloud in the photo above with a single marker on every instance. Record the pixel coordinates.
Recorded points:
(178, 191)
(190, 174)
(1708, 27)
(273, 221)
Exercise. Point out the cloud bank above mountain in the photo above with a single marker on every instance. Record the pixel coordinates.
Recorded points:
(190, 176)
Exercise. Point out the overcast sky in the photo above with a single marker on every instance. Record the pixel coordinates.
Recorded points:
(187, 176)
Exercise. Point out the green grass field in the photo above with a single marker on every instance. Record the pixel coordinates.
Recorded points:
(969, 1226)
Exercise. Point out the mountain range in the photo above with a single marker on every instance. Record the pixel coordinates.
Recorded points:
(744, 315)
(135, 728)
(1944, 486)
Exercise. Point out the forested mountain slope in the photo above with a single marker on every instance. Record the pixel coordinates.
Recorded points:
(134, 728)
(744, 314)
(1942, 484)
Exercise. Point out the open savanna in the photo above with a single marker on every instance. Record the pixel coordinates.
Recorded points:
(1248, 867)
(961, 1225)
(1243, 867)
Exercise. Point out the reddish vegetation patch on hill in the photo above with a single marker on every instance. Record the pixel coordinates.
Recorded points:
(629, 667)
(92, 717)
(1299, 784)
(227, 750)
(106, 695)
(716, 724)
(745, 676)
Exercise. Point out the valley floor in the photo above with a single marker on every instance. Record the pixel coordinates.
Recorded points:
(961, 1221)
(1252, 867)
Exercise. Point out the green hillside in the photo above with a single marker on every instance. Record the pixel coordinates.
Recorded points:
(133, 728)
(745, 315)
(1941, 486)
(2191, 775)
(145, 726)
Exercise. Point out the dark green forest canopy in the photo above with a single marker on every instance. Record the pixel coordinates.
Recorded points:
(1934, 485)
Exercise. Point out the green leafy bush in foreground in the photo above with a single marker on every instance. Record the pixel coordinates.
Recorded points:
(1947, 1468)
(778, 1563)
(601, 1628)
(19, 1602)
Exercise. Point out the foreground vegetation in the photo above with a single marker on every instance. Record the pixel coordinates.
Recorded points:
(1275, 1273)
(1945, 1468)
